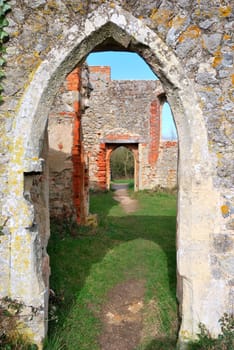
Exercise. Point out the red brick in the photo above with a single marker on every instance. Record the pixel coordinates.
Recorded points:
(155, 126)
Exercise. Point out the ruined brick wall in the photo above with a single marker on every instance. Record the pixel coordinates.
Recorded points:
(126, 112)
(118, 111)
(60, 128)
(68, 170)
(188, 44)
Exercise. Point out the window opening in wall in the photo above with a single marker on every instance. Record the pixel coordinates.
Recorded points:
(168, 125)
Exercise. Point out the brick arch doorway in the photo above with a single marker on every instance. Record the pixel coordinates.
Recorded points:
(133, 147)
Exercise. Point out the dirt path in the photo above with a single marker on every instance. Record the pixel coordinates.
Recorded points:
(128, 204)
(122, 316)
(122, 313)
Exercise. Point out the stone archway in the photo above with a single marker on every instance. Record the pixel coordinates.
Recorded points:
(194, 178)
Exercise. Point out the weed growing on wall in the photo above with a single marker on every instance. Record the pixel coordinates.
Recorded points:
(225, 340)
(4, 8)
(10, 337)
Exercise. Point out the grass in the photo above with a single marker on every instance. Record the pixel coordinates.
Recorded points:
(130, 182)
(86, 265)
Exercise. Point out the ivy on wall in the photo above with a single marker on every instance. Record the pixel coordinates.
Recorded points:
(4, 8)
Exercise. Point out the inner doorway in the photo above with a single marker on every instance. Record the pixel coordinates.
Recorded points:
(123, 165)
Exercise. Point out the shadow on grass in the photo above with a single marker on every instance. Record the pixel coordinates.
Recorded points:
(75, 250)
(158, 229)
(161, 344)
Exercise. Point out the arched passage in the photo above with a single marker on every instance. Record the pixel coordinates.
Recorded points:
(116, 27)
(135, 154)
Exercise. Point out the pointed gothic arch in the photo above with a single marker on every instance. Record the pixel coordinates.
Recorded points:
(115, 26)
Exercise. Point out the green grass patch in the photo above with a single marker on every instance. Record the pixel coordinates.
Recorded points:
(85, 267)
(130, 182)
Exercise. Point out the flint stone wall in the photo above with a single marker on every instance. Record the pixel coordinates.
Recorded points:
(120, 112)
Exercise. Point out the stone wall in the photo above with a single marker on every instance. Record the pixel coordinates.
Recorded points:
(125, 113)
(165, 174)
(188, 44)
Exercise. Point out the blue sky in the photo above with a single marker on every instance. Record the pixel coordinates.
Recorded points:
(130, 66)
